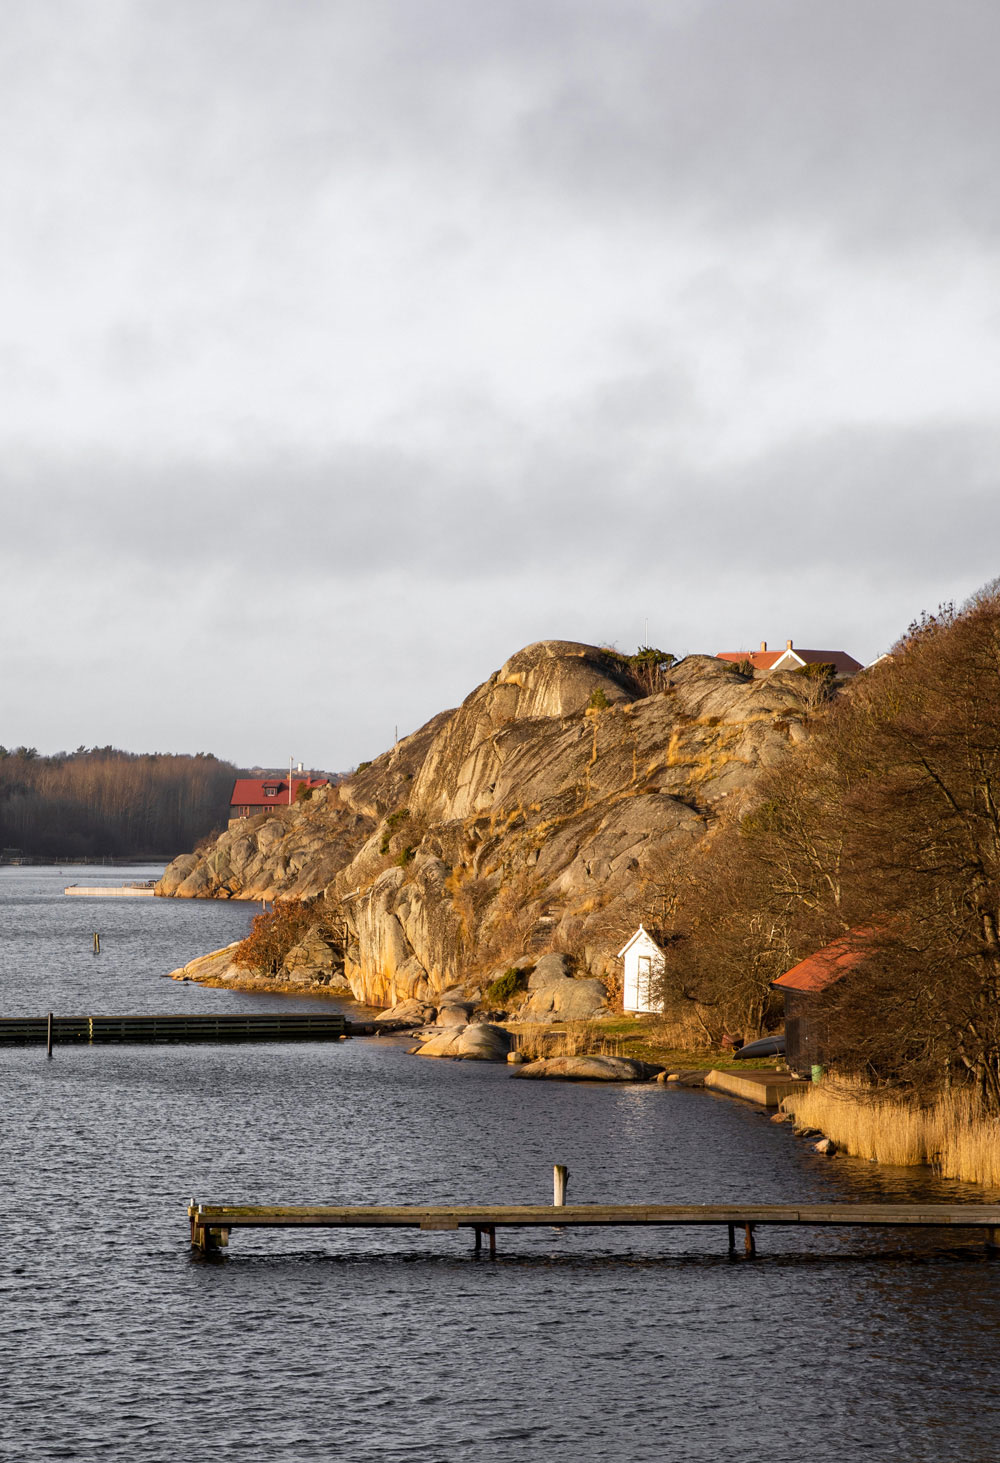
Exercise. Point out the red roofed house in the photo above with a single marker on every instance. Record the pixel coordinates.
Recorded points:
(791, 659)
(800, 987)
(258, 794)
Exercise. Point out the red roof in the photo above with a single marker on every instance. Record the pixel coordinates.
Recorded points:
(766, 660)
(818, 971)
(250, 792)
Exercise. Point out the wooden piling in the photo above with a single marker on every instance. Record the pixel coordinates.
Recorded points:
(749, 1245)
(560, 1178)
(97, 943)
(48, 1036)
(732, 1238)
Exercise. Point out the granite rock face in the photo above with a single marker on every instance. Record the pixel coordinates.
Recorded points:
(524, 822)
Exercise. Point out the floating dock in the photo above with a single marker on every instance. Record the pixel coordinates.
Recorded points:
(269, 1026)
(113, 891)
(211, 1223)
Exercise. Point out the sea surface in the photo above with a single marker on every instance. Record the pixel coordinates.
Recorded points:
(117, 1342)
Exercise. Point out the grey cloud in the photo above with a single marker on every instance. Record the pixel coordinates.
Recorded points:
(585, 488)
(873, 121)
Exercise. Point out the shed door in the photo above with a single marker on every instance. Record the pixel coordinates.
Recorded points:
(642, 983)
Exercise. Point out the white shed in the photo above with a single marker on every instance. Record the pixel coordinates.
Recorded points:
(643, 962)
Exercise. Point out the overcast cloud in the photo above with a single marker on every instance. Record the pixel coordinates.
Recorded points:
(350, 345)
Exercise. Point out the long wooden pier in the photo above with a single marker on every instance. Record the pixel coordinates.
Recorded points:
(211, 1223)
(266, 1026)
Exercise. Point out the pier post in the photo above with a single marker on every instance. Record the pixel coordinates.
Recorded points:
(732, 1238)
(479, 1241)
(48, 1036)
(993, 1240)
(491, 1231)
(749, 1245)
(560, 1178)
(97, 943)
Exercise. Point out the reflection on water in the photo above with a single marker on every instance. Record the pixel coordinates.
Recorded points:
(633, 1345)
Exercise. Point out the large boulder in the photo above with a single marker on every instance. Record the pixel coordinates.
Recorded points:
(553, 994)
(480, 1042)
(406, 1013)
(587, 1069)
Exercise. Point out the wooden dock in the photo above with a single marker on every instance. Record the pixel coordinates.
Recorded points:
(267, 1026)
(112, 891)
(211, 1223)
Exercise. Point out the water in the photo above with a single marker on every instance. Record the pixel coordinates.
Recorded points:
(119, 1343)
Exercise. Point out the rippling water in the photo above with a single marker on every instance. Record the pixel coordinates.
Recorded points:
(119, 1343)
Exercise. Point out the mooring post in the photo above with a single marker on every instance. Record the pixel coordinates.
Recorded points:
(48, 1036)
(560, 1178)
(749, 1246)
(97, 943)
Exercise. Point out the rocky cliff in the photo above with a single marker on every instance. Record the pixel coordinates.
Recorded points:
(535, 817)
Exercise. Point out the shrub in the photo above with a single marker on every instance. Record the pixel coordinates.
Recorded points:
(362, 766)
(506, 987)
(598, 701)
(393, 822)
(273, 934)
(405, 856)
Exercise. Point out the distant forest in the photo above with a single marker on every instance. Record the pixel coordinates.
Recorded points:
(103, 802)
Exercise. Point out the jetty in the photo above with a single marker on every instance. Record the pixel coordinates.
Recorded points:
(259, 1026)
(211, 1224)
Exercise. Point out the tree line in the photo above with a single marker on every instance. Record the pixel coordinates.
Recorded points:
(885, 825)
(104, 802)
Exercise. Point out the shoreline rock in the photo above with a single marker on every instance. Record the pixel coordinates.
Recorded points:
(476, 1042)
(587, 1069)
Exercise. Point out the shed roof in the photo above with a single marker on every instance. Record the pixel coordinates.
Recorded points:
(641, 934)
(818, 971)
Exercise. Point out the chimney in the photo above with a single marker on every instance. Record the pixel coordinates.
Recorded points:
(763, 645)
(788, 645)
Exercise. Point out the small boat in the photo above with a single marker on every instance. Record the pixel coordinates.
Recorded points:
(767, 1046)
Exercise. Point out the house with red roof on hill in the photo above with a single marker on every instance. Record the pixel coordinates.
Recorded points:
(803, 984)
(261, 794)
(791, 659)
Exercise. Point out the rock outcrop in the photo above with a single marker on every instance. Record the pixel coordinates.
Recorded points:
(537, 817)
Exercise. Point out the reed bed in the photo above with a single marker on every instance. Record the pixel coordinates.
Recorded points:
(575, 1041)
(954, 1134)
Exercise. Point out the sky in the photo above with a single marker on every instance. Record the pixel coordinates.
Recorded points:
(350, 345)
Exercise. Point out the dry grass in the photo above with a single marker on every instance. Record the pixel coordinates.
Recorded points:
(954, 1134)
(577, 1039)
